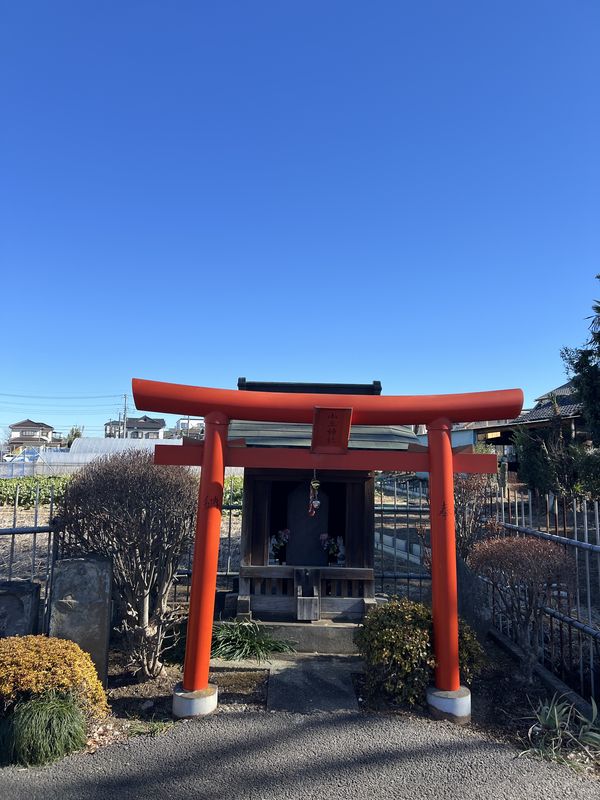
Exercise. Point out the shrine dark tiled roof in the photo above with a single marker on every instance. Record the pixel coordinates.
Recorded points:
(277, 434)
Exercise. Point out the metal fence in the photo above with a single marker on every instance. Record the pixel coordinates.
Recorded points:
(40, 468)
(229, 548)
(28, 546)
(570, 638)
(401, 536)
(569, 641)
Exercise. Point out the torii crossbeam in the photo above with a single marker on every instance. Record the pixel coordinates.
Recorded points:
(331, 417)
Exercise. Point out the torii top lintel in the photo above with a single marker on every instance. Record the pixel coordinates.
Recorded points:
(176, 398)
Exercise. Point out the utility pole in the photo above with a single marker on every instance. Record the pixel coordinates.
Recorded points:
(124, 416)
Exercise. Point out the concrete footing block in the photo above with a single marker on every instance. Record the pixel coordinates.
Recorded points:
(194, 704)
(453, 706)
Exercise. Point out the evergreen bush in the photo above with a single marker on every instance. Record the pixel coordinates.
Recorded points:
(31, 666)
(396, 642)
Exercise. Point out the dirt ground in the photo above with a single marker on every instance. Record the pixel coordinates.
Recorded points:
(501, 703)
(144, 708)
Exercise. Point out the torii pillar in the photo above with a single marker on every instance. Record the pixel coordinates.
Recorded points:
(331, 417)
(448, 698)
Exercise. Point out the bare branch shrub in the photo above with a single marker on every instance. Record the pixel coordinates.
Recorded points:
(141, 516)
(469, 511)
(471, 524)
(525, 572)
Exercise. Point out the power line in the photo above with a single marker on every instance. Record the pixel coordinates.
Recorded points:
(61, 397)
(48, 409)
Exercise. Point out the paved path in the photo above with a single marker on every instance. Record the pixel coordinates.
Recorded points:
(306, 684)
(328, 750)
(281, 756)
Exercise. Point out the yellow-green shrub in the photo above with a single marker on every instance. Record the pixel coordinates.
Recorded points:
(34, 665)
(396, 642)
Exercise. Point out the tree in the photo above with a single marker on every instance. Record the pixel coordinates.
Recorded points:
(534, 466)
(470, 498)
(584, 365)
(547, 461)
(76, 432)
(141, 516)
(469, 511)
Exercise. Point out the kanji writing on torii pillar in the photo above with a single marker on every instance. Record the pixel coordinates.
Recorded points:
(331, 416)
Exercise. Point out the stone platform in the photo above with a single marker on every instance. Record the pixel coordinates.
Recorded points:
(325, 637)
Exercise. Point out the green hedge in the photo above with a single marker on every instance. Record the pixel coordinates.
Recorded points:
(27, 488)
(396, 642)
(233, 490)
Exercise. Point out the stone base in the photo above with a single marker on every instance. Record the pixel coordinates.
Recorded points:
(194, 704)
(453, 706)
(320, 636)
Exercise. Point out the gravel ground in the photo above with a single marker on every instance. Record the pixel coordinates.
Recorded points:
(279, 755)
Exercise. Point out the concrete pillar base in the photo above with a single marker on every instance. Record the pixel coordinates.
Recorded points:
(194, 704)
(453, 706)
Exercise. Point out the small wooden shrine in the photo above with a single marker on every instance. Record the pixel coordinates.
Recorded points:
(335, 419)
(308, 536)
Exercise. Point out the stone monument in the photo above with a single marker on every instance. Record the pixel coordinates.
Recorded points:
(19, 607)
(80, 606)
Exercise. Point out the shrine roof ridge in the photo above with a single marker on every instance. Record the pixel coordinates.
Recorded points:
(373, 388)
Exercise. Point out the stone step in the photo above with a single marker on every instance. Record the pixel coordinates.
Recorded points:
(323, 636)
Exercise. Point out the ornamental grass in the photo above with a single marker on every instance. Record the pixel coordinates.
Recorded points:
(240, 639)
(42, 730)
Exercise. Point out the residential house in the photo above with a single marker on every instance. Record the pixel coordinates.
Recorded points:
(28, 433)
(561, 404)
(189, 426)
(136, 428)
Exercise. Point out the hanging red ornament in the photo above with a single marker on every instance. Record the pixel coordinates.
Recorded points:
(313, 497)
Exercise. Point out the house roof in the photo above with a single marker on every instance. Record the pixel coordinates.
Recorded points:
(146, 423)
(567, 405)
(29, 423)
(566, 389)
(142, 423)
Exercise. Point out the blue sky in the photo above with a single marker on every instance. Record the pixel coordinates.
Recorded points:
(343, 191)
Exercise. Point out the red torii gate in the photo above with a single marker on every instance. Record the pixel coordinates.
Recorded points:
(331, 416)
